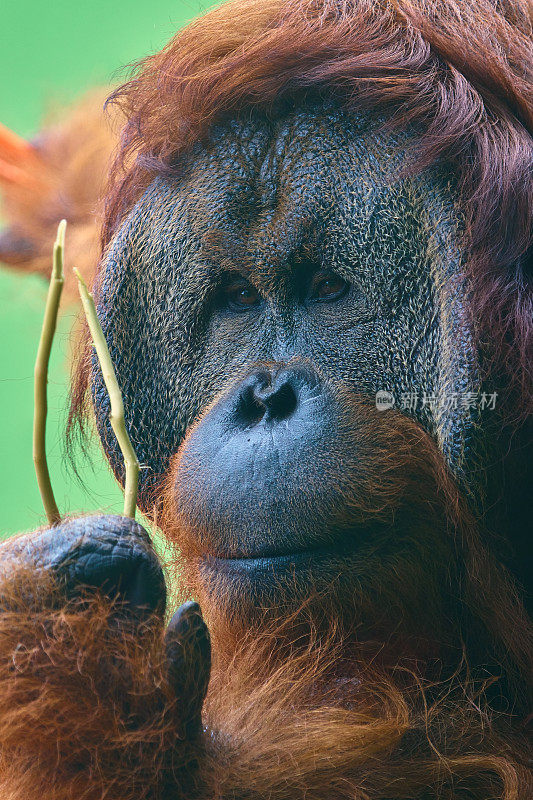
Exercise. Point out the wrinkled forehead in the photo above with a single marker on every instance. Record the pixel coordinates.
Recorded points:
(319, 183)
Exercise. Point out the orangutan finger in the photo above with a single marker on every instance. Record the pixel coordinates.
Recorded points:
(188, 647)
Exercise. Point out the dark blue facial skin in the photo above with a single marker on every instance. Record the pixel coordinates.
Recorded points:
(220, 271)
(259, 464)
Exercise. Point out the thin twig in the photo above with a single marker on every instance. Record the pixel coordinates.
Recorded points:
(116, 416)
(40, 408)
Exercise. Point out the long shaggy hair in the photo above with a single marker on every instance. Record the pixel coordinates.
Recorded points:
(85, 707)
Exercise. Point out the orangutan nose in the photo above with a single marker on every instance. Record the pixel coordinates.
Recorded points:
(272, 396)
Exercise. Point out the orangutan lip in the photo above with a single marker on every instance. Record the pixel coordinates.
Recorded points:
(263, 564)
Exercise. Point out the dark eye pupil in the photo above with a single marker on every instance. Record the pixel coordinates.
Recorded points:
(329, 287)
(243, 296)
(326, 287)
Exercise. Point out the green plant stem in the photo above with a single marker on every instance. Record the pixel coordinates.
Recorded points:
(116, 416)
(40, 408)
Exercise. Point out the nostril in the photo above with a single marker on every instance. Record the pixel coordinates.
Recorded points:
(250, 409)
(279, 402)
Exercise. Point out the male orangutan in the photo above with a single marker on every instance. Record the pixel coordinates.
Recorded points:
(313, 203)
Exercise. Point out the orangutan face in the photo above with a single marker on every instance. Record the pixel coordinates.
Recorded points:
(255, 306)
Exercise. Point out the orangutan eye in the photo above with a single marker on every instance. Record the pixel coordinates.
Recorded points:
(241, 295)
(328, 287)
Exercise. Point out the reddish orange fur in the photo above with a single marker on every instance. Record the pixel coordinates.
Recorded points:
(85, 708)
(64, 178)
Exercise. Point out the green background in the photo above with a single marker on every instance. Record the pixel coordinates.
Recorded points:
(50, 53)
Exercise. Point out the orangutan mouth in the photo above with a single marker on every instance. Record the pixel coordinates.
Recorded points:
(274, 566)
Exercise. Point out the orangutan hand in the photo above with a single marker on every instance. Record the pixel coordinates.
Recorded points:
(83, 641)
(110, 554)
(113, 556)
